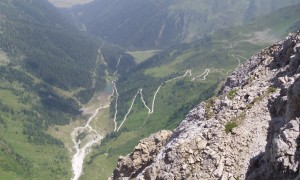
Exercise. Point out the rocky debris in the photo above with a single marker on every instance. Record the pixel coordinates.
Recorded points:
(144, 154)
(250, 131)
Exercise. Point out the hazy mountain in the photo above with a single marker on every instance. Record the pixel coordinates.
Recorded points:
(159, 23)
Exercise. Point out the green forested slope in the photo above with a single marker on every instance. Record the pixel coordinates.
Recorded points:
(47, 46)
(47, 68)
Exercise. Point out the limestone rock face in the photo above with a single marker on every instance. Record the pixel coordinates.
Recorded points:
(253, 134)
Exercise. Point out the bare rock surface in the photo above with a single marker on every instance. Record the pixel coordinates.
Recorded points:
(143, 155)
(253, 133)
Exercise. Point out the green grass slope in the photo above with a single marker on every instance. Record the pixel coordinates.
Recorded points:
(26, 150)
(220, 52)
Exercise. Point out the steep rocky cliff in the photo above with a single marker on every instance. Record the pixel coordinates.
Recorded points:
(249, 131)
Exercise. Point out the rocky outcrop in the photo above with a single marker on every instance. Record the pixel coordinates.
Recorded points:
(144, 154)
(250, 131)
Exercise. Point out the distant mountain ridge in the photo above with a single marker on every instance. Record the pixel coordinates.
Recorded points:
(160, 23)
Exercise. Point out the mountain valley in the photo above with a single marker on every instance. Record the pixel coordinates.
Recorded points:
(81, 85)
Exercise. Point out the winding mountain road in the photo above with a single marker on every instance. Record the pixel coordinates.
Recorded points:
(187, 73)
(140, 91)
